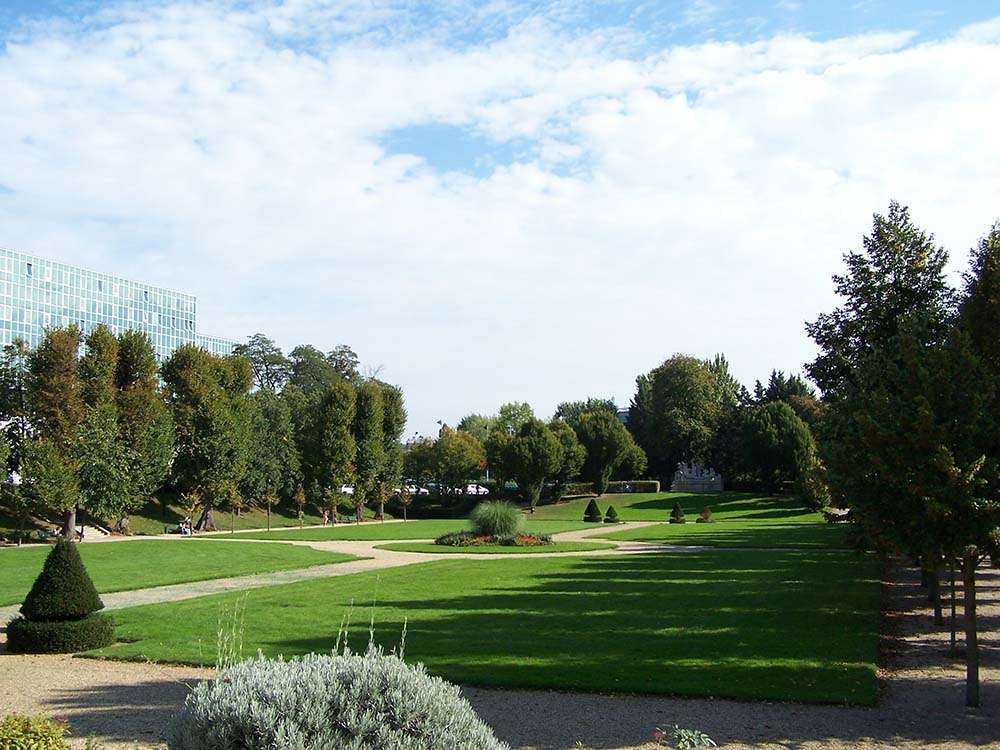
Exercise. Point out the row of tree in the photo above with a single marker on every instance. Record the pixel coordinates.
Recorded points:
(105, 429)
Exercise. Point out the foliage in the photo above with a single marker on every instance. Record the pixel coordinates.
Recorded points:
(459, 457)
(684, 739)
(20, 732)
(495, 518)
(393, 424)
(370, 461)
(678, 408)
(63, 590)
(364, 701)
(332, 448)
(50, 477)
(573, 456)
(677, 513)
(498, 459)
(593, 513)
(61, 636)
(778, 446)
(535, 454)
(273, 468)
(571, 412)
(612, 515)
(104, 464)
(420, 459)
(271, 368)
(55, 392)
(705, 516)
(607, 443)
(633, 463)
(512, 417)
(476, 425)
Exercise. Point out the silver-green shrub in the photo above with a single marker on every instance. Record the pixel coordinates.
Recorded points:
(496, 518)
(371, 701)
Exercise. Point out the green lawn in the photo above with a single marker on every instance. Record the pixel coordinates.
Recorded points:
(496, 549)
(741, 533)
(421, 529)
(139, 564)
(648, 506)
(166, 513)
(776, 624)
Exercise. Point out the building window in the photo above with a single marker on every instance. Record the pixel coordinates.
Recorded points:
(31, 271)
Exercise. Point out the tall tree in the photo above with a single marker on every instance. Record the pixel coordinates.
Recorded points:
(271, 368)
(477, 425)
(512, 417)
(570, 412)
(57, 410)
(97, 366)
(14, 407)
(778, 445)
(370, 462)
(311, 370)
(344, 362)
(573, 456)
(393, 424)
(535, 455)
(333, 458)
(459, 458)
(607, 442)
(272, 461)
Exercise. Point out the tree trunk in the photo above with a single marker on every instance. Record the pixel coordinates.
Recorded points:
(206, 522)
(69, 523)
(381, 510)
(122, 526)
(969, 563)
(934, 592)
(953, 637)
(268, 516)
(232, 522)
(404, 513)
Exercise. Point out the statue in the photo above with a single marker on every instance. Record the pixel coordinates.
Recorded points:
(693, 477)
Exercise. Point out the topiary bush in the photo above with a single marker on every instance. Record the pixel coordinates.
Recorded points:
(611, 516)
(456, 539)
(495, 518)
(593, 513)
(19, 732)
(677, 515)
(365, 701)
(59, 613)
(705, 516)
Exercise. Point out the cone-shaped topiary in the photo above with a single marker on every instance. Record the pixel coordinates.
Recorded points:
(63, 590)
(611, 516)
(60, 611)
(593, 513)
(677, 515)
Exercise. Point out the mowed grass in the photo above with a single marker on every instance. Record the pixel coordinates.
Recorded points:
(746, 624)
(741, 533)
(421, 529)
(139, 564)
(496, 549)
(648, 506)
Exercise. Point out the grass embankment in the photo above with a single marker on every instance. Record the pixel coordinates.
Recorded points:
(422, 529)
(740, 533)
(496, 549)
(143, 563)
(775, 624)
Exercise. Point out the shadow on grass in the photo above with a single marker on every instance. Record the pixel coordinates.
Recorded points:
(735, 534)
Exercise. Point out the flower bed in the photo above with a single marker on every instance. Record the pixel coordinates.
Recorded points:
(472, 539)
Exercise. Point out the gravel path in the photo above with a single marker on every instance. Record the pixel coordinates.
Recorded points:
(921, 704)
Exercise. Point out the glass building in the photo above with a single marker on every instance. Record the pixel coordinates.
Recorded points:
(36, 294)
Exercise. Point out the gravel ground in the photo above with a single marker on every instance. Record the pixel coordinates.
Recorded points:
(921, 703)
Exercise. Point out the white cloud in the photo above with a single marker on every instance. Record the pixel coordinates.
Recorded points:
(695, 198)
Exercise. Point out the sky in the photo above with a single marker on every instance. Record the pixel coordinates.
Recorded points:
(497, 201)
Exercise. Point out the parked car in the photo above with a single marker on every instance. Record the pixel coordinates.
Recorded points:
(476, 489)
(415, 489)
(346, 489)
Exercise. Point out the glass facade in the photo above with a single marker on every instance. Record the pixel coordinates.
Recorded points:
(36, 294)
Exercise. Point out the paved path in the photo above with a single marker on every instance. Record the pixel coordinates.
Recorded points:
(373, 558)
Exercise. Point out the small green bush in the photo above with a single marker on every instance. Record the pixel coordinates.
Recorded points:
(593, 513)
(611, 516)
(456, 539)
(59, 637)
(705, 516)
(63, 590)
(18, 732)
(677, 515)
(356, 702)
(496, 518)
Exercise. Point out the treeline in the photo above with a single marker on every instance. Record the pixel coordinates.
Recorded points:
(92, 423)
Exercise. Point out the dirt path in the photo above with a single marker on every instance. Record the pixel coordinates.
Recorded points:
(921, 705)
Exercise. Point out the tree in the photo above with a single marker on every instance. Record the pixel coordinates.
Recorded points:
(97, 367)
(633, 464)
(512, 417)
(393, 424)
(459, 458)
(344, 362)
(57, 409)
(14, 397)
(571, 412)
(208, 396)
(271, 368)
(607, 442)
(336, 450)
(535, 455)
(370, 462)
(779, 446)
(420, 459)
(106, 484)
(49, 477)
(573, 456)
(312, 372)
(272, 460)
(497, 450)
(477, 425)
(680, 409)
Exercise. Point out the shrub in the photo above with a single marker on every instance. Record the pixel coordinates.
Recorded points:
(59, 637)
(18, 732)
(524, 540)
(361, 702)
(58, 613)
(705, 516)
(593, 513)
(677, 515)
(611, 516)
(63, 590)
(496, 518)
(683, 739)
(456, 539)
(634, 485)
(579, 488)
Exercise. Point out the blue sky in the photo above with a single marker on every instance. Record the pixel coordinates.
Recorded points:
(496, 201)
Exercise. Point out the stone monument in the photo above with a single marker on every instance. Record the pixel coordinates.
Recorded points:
(692, 477)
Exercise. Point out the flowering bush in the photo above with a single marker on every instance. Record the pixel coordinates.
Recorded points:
(472, 539)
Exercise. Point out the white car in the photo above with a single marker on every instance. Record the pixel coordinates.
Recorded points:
(476, 489)
(346, 489)
(415, 490)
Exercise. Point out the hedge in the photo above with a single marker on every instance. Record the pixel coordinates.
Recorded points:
(60, 636)
(634, 485)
